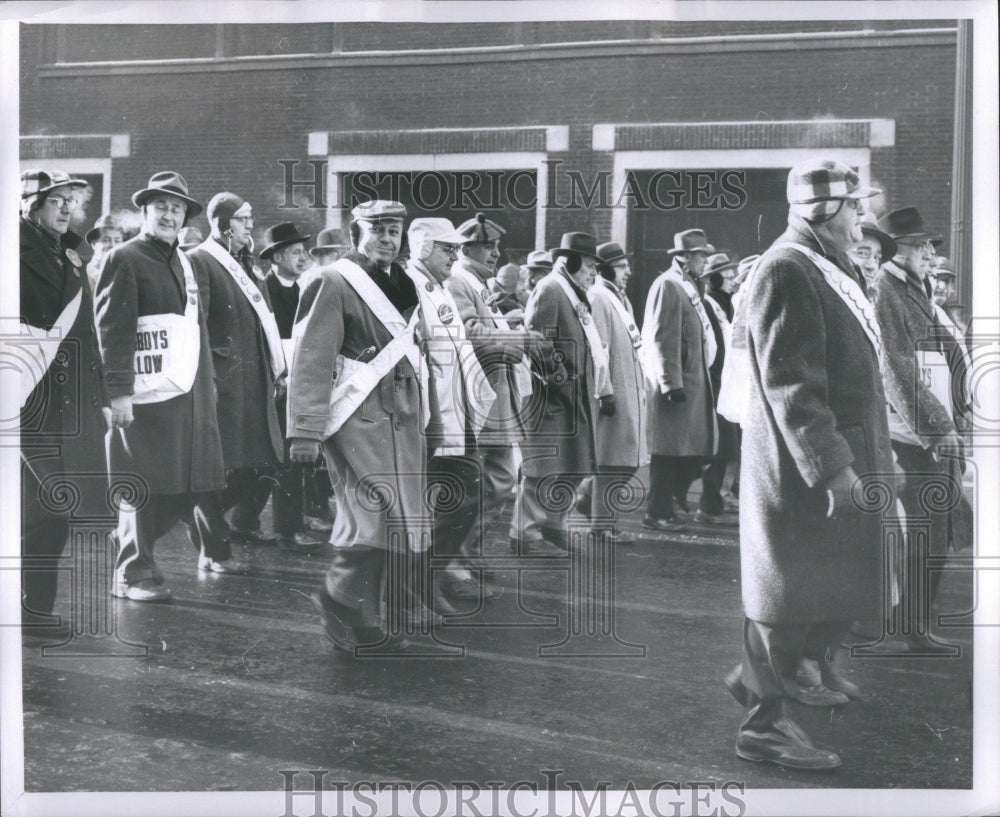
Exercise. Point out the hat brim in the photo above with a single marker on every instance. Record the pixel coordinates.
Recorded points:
(277, 245)
(140, 197)
(886, 242)
(912, 238)
(328, 248)
(67, 183)
(565, 252)
(942, 273)
(722, 268)
(861, 193)
(708, 249)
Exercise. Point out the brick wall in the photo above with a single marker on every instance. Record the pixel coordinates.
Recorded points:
(228, 129)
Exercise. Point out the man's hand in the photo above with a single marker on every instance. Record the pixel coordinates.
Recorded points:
(677, 396)
(303, 450)
(951, 444)
(106, 412)
(608, 405)
(838, 493)
(121, 411)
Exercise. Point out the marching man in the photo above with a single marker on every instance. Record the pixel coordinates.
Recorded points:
(158, 364)
(355, 330)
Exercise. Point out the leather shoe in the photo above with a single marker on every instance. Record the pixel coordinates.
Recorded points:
(705, 518)
(143, 590)
(833, 678)
(301, 543)
(734, 683)
(210, 565)
(668, 525)
(817, 695)
(583, 505)
(317, 524)
(534, 547)
(782, 747)
(341, 623)
(252, 537)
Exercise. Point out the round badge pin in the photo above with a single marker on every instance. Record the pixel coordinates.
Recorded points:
(429, 286)
(445, 313)
(256, 298)
(73, 258)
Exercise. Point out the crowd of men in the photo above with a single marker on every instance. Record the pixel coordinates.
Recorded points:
(430, 384)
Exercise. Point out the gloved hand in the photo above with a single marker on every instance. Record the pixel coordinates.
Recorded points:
(608, 405)
(121, 411)
(303, 450)
(677, 396)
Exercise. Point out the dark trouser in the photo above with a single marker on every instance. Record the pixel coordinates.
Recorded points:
(139, 529)
(247, 490)
(711, 487)
(608, 491)
(918, 497)
(287, 498)
(667, 477)
(43, 539)
(772, 652)
(455, 483)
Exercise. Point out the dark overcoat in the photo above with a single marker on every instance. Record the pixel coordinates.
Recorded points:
(377, 458)
(62, 425)
(560, 415)
(248, 419)
(816, 405)
(174, 445)
(621, 438)
(674, 354)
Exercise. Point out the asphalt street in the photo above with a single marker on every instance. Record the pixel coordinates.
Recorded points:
(603, 666)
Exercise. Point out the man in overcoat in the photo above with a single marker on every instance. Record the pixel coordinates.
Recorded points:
(560, 451)
(354, 393)
(620, 431)
(159, 373)
(678, 346)
(459, 398)
(814, 435)
(65, 408)
(501, 351)
(248, 357)
(924, 437)
(285, 250)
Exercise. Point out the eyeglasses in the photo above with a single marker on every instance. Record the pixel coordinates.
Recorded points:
(451, 249)
(69, 202)
(246, 221)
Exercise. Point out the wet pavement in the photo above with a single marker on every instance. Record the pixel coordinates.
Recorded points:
(233, 682)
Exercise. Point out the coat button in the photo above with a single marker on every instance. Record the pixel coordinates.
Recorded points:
(398, 425)
(66, 401)
(93, 365)
(94, 401)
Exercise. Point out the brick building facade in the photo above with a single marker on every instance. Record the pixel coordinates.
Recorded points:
(642, 118)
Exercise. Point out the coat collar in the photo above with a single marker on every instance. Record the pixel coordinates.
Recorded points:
(45, 257)
(914, 288)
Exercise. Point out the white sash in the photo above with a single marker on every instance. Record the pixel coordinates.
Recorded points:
(706, 326)
(437, 305)
(598, 349)
(256, 300)
(848, 290)
(39, 348)
(626, 316)
(168, 347)
(724, 324)
(356, 380)
(522, 369)
(956, 333)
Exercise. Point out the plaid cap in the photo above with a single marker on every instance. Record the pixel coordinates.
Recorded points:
(379, 210)
(35, 182)
(480, 230)
(816, 180)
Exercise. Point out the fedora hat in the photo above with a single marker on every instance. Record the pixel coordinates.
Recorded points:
(869, 228)
(330, 239)
(906, 226)
(281, 235)
(171, 183)
(539, 259)
(611, 253)
(691, 241)
(577, 244)
(717, 262)
(105, 222)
